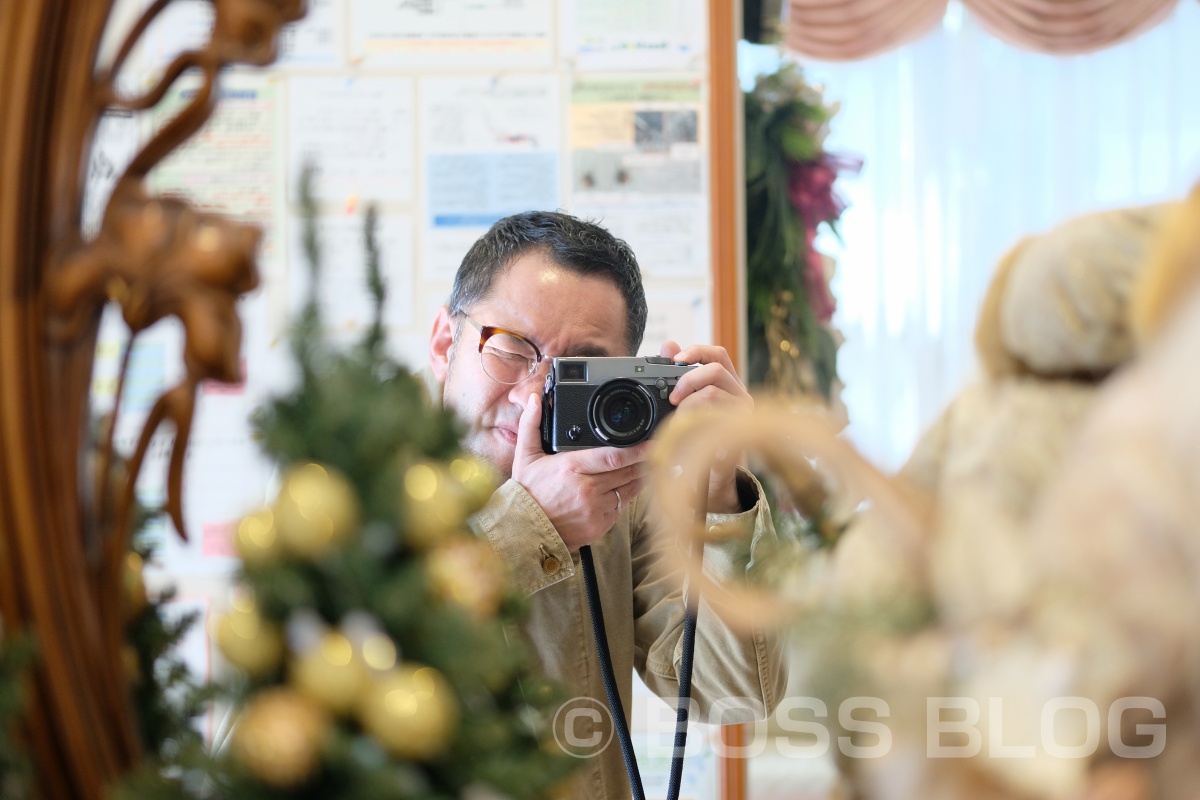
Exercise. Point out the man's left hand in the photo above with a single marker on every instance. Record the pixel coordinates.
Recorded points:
(713, 385)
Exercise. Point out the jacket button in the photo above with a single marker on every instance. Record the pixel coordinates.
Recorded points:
(550, 565)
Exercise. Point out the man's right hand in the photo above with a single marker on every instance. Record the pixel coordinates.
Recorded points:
(577, 490)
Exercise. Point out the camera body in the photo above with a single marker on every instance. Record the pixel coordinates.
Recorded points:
(606, 401)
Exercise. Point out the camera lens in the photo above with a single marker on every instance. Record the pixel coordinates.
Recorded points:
(621, 413)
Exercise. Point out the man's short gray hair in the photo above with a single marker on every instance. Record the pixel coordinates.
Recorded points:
(577, 245)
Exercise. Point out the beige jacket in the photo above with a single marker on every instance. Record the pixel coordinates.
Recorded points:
(643, 614)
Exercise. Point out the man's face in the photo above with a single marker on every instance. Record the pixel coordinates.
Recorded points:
(563, 313)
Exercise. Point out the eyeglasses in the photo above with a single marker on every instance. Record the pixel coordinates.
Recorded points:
(506, 357)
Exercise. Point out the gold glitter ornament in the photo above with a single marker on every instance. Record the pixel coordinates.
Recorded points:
(317, 509)
(257, 540)
(468, 572)
(133, 587)
(247, 640)
(477, 478)
(411, 711)
(278, 737)
(379, 652)
(331, 674)
(435, 504)
(130, 664)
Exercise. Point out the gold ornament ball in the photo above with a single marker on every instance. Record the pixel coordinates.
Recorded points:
(317, 509)
(248, 641)
(133, 587)
(477, 478)
(435, 505)
(468, 573)
(278, 737)
(257, 540)
(411, 710)
(379, 652)
(130, 664)
(331, 674)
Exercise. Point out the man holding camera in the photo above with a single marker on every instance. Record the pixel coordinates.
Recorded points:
(541, 285)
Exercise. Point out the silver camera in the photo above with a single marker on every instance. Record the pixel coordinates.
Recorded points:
(606, 402)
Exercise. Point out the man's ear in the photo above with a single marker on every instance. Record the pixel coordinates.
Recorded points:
(441, 339)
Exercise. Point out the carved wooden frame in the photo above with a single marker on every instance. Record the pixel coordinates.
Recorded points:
(65, 516)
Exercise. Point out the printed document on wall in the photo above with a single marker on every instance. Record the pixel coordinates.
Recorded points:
(670, 240)
(315, 40)
(113, 147)
(633, 34)
(632, 138)
(638, 165)
(358, 134)
(491, 148)
(230, 166)
(152, 367)
(681, 315)
(346, 306)
(452, 33)
(180, 26)
(226, 474)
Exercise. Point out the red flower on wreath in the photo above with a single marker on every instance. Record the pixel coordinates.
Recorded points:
(810, 191)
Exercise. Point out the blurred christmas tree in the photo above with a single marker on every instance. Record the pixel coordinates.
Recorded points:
(369, 629)
(15, 656)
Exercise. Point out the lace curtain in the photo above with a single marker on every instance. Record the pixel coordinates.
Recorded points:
(969, 144)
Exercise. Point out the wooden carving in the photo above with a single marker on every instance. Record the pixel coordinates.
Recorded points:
(64, 525)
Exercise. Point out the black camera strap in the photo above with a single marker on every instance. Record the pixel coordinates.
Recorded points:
(691, 606)
(614, 696)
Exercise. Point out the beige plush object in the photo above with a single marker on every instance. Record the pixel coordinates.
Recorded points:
(1055, 324)
(1113, 559)
(1117, 535)
(1172, 270)
(1058, 305)
(1115, 550)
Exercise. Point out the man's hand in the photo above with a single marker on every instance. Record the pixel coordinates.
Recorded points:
(714, 385)
(582, 491)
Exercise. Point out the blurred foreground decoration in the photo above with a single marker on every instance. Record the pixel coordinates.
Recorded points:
(1022, 595)
(66, 516)
(789, 195)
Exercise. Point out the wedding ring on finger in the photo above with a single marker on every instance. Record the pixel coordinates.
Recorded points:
(618, 492)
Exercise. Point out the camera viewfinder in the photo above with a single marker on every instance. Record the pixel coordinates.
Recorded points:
(572, 370)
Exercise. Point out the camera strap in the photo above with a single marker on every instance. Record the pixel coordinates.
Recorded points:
(614, 696)
(617, 711)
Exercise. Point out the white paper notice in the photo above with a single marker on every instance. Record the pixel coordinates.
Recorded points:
(491, 148)
(670, 241)
(357, 132)
(681, 315)
(452, 33)
(636, 138)
(226, 477)
(230, 165)
(633, 34)
(315, 40)
(114, 146)
(183, 25)
(346, 306)
(154, 366)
